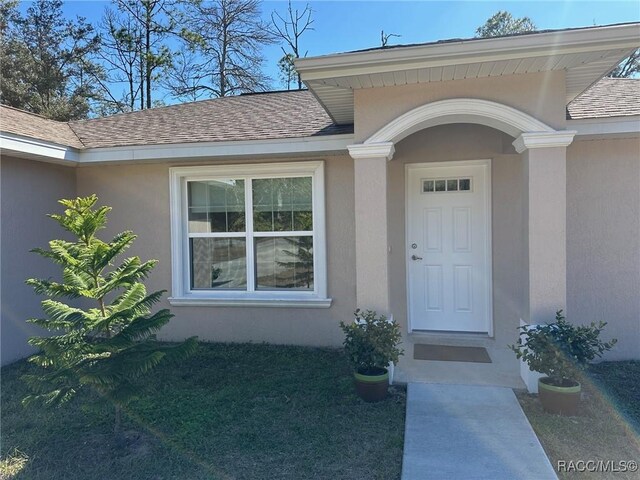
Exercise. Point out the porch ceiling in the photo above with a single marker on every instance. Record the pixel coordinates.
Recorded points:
(585, 54)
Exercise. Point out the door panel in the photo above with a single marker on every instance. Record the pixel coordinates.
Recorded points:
(449, 270)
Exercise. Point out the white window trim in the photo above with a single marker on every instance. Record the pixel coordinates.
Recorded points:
(182, 295)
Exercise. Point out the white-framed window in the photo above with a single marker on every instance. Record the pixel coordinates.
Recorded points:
(249, 235)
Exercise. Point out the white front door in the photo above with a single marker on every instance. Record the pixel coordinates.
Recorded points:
(449, 246)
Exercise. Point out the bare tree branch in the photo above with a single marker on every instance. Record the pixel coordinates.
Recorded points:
(290, 28)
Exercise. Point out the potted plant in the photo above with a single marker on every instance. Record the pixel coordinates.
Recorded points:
(560, 351)
(371, 344)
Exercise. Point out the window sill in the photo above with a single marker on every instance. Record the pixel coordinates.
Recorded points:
(250, 302)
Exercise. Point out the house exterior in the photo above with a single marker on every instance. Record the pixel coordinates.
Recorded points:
(462, 187)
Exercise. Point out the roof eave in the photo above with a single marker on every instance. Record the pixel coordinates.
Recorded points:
(27, 147)
(284, 147)
(465, 51)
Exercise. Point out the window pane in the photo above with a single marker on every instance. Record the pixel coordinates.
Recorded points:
(427, 186)
(216, 206)
(465, 184)
(452, 185)
(218, 263)
(284, 262)
(282, 204)
(440, 185)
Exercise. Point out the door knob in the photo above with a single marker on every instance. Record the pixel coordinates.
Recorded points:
(415, 257)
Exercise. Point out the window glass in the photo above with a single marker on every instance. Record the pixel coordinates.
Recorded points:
(271, 251)
(427, 186)
(216, 206)
(282, 204)
(284, 262)
(218, 263)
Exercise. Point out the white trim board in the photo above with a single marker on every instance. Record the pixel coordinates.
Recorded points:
(38, 149)
(605, 127)
(196, 150)
(47, 151)
(459, 110)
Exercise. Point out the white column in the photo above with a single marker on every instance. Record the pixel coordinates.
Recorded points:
(372, 245)
(545, 223)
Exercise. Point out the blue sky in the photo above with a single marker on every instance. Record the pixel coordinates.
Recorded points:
(351, 25)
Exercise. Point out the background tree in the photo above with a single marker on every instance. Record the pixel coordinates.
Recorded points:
(122, 60)
(503, 23)
(135, 53)
(629, 67)
(287, 70)
(385, 37)
(289, 28)
(44, 61)
(108, 347)
(184, 79)
(227, 37)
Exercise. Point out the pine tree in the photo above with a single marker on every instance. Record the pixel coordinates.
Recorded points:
(45, 62)
(106, 348)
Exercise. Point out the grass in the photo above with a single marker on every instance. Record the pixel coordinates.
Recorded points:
(607, 427)
(232, 411)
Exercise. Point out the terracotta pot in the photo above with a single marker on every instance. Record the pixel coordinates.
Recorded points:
(559, 400)
(372, 388)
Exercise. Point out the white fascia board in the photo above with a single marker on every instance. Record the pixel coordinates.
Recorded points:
(287, 146)
(40, 149)
(602, 127)
(469, 51)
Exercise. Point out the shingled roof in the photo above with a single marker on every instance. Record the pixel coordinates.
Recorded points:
(265, 116)
(246, 117)
(610, 97)
(31, 125)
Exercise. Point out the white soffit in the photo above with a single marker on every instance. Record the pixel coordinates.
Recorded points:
(585, 54)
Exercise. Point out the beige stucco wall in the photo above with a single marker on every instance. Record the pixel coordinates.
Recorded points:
(603, 239)
(466, 142)
(541, 95)
(139, 195)
(28, 191)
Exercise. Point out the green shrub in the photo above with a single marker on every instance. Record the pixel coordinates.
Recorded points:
(560, 350)
(371, 342)
(110, 346)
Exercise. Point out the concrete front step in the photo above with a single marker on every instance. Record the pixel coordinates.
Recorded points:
(504, 371)
(469, 432)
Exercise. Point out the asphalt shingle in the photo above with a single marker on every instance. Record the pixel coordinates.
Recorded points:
(610, 97)
(246, 117)
(26, 124)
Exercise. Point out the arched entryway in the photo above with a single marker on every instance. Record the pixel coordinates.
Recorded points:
(543, 153)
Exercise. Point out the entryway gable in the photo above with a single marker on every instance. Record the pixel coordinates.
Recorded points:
(459, 110)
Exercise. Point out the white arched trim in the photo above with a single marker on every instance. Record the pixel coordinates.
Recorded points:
(459, 110)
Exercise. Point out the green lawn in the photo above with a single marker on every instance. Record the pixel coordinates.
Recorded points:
(230, 412)
(607, 427)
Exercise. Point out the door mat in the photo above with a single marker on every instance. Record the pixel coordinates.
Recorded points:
(445, 353)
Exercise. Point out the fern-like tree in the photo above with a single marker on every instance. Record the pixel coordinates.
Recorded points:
(106, 348)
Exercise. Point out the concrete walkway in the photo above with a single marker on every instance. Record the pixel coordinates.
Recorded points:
(469, 432)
